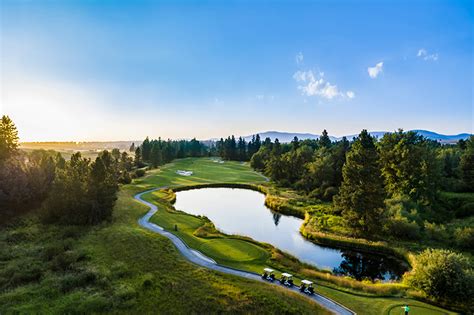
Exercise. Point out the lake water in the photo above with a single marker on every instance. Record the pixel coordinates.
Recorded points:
(243, 212)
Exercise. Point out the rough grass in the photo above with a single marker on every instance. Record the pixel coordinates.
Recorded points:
(121, 268)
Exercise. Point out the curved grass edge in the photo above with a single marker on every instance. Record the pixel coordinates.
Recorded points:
(302, 270)
(378, 248)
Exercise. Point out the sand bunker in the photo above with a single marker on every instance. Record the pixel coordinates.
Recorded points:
(184, 173)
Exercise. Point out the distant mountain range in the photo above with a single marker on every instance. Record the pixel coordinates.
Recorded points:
(288, 136)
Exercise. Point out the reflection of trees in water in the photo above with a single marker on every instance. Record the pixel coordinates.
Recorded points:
(362, 266)
(276, 218)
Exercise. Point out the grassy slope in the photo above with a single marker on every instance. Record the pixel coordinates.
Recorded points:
(206, 171)
(123, 268)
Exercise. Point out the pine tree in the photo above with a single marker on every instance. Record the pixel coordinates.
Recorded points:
(138, 157)
(8, 138)
(132, 147)
(242, 149)
(146, 150)
(467, 164)
(324, 140)
(361, 196)
(156, 157)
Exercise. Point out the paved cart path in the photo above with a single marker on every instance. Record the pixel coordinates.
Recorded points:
(201, 260)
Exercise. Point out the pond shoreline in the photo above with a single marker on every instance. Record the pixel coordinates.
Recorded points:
(329, 240)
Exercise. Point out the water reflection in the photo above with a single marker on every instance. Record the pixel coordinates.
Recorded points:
(276, 218)
(243, 212)
(366, 266)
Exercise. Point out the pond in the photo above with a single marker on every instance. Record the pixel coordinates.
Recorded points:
(243, 212)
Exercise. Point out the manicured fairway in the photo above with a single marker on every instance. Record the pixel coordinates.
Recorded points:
(205, 170)
(234, 250)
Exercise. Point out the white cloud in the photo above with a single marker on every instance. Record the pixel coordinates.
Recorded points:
(375, 71)
(350, 94)
(299, 58)
(312, 85)
(423, 53)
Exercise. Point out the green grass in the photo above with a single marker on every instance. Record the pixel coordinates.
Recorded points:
(246, 255)
(204, 171)
(120, 267)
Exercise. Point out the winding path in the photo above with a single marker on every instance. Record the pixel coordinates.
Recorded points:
(203, 261)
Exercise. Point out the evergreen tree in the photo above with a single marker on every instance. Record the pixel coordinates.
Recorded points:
(146, 150)
(8, 138)
(295, 143)
(361, 196)
(102, 189)
(156, 158)
(257, 142)
(242, 149)
(132, 147)
(467, 164)
(324, 140)
(138, 157)
(409, 166)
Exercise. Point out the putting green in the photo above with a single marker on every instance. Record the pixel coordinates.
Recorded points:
(232, 249)
(415, 309)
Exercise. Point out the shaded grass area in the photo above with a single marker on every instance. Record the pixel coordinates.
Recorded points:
(190, 230)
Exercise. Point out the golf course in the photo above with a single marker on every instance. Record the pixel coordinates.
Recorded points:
(241, 252)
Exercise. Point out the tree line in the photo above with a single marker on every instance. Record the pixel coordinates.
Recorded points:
(77, 191)
(370, 180)
(157, 152)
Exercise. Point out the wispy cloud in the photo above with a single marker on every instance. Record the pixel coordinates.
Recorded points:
(299, 58)
(350, 94)
(423, 53)
(375, 71)
(316, 85)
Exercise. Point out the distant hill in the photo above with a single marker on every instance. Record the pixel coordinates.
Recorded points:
(288, 136)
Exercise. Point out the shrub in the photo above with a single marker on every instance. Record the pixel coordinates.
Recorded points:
(401, 227)
(465, 210)
(442, 275)
(435, 231)
(403, 218)
(139, 173)
(464, 237)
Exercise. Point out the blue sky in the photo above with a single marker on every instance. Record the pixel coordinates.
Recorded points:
(118, 70)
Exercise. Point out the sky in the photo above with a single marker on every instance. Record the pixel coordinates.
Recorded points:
(123, 70)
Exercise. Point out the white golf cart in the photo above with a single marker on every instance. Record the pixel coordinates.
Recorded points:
(268, 274)
(307, 287)
(286, 279)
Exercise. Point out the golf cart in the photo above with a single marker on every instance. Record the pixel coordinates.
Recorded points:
(307, 287)
(268, 274)
(286, 279)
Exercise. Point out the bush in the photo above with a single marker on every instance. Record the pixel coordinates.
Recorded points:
(464, 237)
(436, 232)
(139, 173)
(466, 210)
(403, 218)
(442, 275)
(401, 228)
